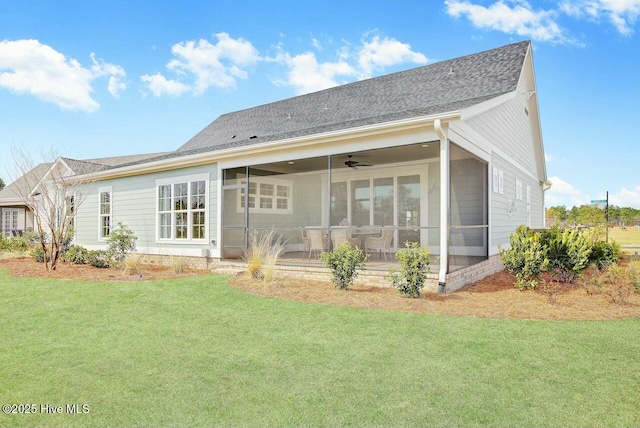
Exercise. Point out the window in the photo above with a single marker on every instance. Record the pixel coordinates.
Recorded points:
(9, 221)
(519, 190)
(267, 196)
(104, 212)
(182, 208)
(70, 213)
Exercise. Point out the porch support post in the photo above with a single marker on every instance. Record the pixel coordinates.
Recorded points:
(444, 205)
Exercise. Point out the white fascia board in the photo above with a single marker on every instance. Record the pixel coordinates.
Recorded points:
(58, 161)
(474, 147)
(542, 166)
(296, 142)
(474, 110)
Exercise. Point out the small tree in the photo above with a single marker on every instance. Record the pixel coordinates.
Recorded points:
(1, 183)
(53, 192)
(415, 264)
(121, 241)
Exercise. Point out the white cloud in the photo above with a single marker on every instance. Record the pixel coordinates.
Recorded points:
(27, 66)
(621, 13)
(626, 198)
(160, 85)
(307, 74)
(204, 64)
(548, 158)
(116, 86)
(564, 193)
(378, 53)
(516, 17)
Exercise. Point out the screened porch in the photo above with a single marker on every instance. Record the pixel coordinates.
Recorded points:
(376, 199)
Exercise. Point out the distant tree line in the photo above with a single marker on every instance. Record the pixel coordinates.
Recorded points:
(591, 215)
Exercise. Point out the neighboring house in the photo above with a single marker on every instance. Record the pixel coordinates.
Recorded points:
(449, 155)
(16, 216)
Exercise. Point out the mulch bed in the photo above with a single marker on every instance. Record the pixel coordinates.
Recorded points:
(492, 297)
(25, 266)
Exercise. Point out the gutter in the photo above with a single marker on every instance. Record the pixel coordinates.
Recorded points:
(296, 142)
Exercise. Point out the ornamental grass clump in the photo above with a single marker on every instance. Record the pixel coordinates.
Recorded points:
(262, 254)
(415, 264)
(344, 262)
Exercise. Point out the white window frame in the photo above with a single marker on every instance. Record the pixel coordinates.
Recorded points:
(11, 215)
(101, 190)
(260, 183)
(519, 195)
(74, 206)
(172, 182)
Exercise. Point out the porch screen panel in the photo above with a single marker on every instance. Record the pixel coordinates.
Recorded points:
(468, 241)
(383, 201)
(361, 202)
(339, 203)
(409, 208)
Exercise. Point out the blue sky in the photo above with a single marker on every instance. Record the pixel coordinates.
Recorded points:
(95, 79)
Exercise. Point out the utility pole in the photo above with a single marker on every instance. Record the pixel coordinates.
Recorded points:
(606, 215)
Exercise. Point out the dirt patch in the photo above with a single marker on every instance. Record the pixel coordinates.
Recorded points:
(492, 297)
(26, 266)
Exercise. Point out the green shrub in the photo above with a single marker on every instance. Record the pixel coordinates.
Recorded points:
(526, 259)
(344, 262)
(98, 258)
(568, 252)
(15, 243)
(414, 267)
(38, 254)
(121, 242)
(604, 254)
(76, 255)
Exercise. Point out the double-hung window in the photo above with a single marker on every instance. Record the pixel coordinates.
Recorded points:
(182, 208)
(104, 212)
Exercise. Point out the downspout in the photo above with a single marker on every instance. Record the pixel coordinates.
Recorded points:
(444, 206)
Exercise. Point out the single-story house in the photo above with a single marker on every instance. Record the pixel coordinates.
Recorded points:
(449, 155)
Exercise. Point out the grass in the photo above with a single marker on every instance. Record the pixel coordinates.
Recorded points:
(195, 351)
(628, 236)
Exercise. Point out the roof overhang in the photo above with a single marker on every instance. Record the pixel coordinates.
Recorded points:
(289, 143)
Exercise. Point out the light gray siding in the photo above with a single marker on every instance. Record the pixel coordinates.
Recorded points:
(134, 203)
(507, 211)
(509, 128)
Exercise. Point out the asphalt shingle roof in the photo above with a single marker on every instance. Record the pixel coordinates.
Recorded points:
(436, 88)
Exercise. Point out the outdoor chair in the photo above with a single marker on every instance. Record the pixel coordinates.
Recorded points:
(338, 236)
(381, 244)
(306, 242)
(317, 242)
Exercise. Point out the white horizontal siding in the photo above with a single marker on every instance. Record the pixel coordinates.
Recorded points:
(134, 204)
(508, 212)
(509, 129)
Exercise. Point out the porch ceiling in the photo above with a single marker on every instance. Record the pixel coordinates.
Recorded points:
(371, 157)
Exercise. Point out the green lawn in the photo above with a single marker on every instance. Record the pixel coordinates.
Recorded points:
(195, 351)
(628, 236)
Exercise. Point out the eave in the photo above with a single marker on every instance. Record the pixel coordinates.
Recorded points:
(291, 143)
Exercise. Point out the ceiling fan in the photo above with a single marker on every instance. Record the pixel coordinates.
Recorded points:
(354, 164)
